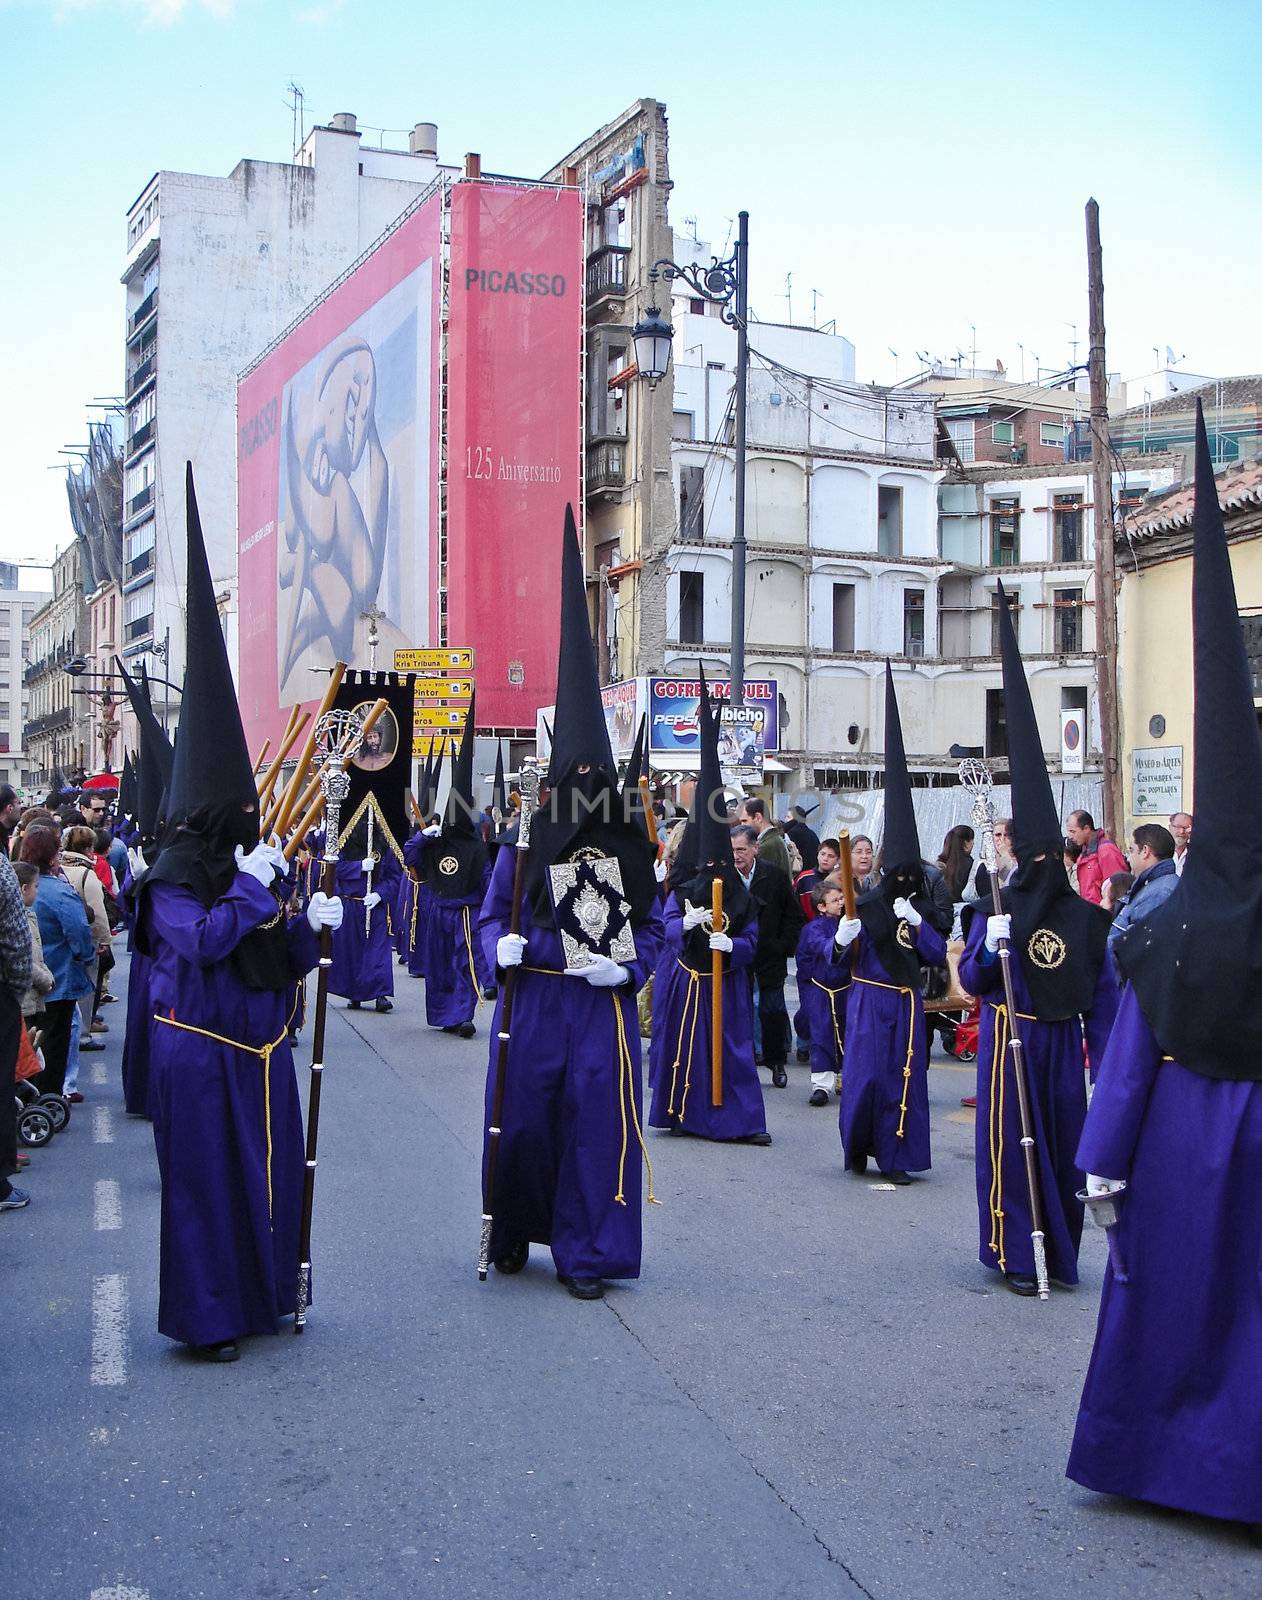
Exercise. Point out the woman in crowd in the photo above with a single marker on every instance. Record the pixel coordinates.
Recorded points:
(69, 948)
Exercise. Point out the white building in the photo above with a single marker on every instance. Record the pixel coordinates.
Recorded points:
(18, 607)
(216, 268)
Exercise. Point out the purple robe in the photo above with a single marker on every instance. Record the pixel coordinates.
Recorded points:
(456, 970)
(1171, 1411)
(679, 1051)
(1054, 1072)
(823, 985)
(404, 901)
(363, 966)
(885, 1087)
(227, 1128)
(568, 1170)
(139, 1021)
(421, 909)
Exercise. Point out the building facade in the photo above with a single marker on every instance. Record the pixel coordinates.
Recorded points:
(215, 269)
(59, 714)
(1233, 420)
(986, 418)
(18, 610)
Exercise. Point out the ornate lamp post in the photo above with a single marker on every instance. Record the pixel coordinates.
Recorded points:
(723, 283)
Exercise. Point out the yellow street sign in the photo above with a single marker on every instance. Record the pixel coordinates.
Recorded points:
(442, 690)
(433, 660)
(438, 717)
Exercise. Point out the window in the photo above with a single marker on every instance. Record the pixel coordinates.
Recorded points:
(996, 724)
(913, 622)
(138, 613)
(691, 502)
(843, 617)
(1002, 432)
(1005, 531)
(697, 307)
(681, 425)
(1013, 608)
(1067, 621)
(691, 608)
(961, 431)
(1067, 527)
(889, 521)
(1052, 434)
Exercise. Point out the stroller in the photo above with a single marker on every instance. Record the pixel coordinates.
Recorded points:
(949, 1011)
(39, 1116)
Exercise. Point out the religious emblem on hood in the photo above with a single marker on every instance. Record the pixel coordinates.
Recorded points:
(449, 866)
(903, 935)
(1046, 949)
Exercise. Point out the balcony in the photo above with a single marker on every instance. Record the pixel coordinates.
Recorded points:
(139, 566)
(140, 629)
(143, 371)
(606, 469)
(147, 308)
(142, 436)
(607, 273)
(138, 502)
(51, 722)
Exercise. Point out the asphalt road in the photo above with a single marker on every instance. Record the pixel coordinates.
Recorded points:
(814, 1390)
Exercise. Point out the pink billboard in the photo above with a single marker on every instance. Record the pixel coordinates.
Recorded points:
(514, 433)
(337, 474)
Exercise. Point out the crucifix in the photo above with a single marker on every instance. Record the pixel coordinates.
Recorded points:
(374, 616)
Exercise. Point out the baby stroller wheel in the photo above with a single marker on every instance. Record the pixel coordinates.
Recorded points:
(58, 1109)
(966, 1055)
(35, 1127)
(27, 1093)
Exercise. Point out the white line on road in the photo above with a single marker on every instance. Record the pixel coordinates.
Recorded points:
(100, 1072)
(119, 1591)
(109, 1329)
(102, 1125)
(107, 1207)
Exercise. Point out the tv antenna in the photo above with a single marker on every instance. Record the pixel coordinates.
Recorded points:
(297, 103)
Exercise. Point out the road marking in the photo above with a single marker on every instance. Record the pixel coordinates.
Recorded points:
(107, 1207)
(119, 1591)
(100, 1073)
(109, 1330)
(102, 1125)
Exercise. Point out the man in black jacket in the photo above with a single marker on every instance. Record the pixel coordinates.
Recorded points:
(780, 921)
(803, 835)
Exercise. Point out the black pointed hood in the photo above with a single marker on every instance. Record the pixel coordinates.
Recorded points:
(581, 733)
(127, 790)
(425, 798)
(637, 765)
(1036, 825)
(1196, 963)
(460, 812)
(714, 835)
(157, 758)
(705, 853)
(499, 790)
(900, 842)
(457, 861)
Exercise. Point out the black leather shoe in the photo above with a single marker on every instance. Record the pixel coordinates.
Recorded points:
(352, 1005)
(383, 1003)
(583, 1288)
(756, 1138)
(779, 1076)
(466, 1030)
(859, 1165)
(1021, 1283)
(490, 992)
(677, 1131)
(513, 1260)
(819, 1097)
(225, 1350)
(899, 1178)
(803, 1053)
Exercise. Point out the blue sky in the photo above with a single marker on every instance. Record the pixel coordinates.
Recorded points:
(923, 167)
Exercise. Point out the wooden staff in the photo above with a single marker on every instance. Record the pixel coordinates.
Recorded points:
(297, 723)
(650, 819)
(267, 745)
(847, 874)
(528, 784)
(282, 814)
(716, 998)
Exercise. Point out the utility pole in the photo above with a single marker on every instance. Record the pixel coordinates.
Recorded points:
(1102, 496)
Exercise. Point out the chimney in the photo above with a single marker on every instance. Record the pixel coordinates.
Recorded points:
(423, 140)
(343, 122)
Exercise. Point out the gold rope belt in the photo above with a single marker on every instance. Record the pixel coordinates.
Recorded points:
(468, 944)
(998, 1080)
(626, 1087)
(264, 1053)
(898, 988)
(832, 1017)
(692, 1001)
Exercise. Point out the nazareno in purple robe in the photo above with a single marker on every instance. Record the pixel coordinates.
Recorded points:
(227, 1127)
(679, 1050)
(363, 966)
(139, 1020)
(421, 910)
(885, 1087)
(1055, 1074)
(404, 901)
(823, 985)
(1171, 1410)
(568, 1170)
(456, 970)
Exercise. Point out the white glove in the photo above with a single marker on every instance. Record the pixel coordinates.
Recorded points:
(372, 901)
(600, 972)
(136, 860)
(369, 864)
(997, 928)
(659, 871)
(694, 916)
(259, 864)
(432, 832)
(508, 950)
(720, 941)
(324, 911)
(906, 912)
(1104, 1185)
(848, 930)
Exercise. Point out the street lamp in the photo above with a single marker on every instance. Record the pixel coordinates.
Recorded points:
(723, 283)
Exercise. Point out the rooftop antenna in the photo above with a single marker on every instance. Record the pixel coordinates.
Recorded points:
(296, 103)
(1021, 348)
(973, 368)
(1073, 343)
(814, 308)
(691, 222)
(788, 293)
(894, 353)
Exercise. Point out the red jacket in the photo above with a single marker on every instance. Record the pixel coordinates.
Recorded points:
(1097, 863)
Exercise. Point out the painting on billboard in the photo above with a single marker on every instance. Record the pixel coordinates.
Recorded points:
(353, 501)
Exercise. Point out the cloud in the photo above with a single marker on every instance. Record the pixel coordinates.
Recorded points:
(322, 12)
(158, 13)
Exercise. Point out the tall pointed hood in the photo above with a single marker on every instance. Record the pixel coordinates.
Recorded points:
(425, 799)
(157, 758)
(900, 844)
(1036, 824)
(212, 763)
(581, 733)
(705, 852)
(499, 790)
(460, 812)
(637, 765)
(1196, 963)
(714, 836)
(456, 863)
(127, 790)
